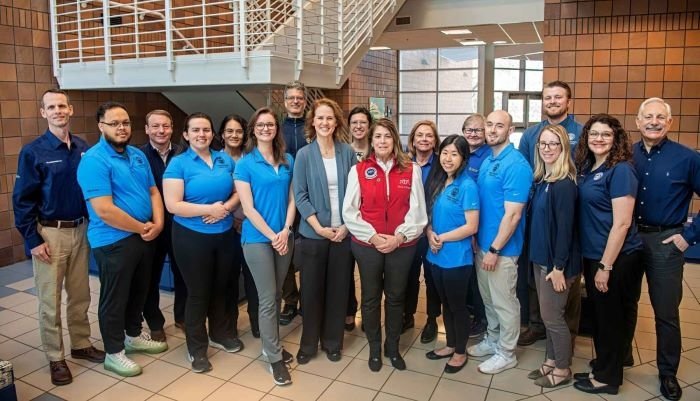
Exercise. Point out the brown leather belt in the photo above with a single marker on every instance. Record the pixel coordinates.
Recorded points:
(63, 223)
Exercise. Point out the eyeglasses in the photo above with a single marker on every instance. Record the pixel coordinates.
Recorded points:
(116, 124)
(473, 130)
(235, 131)
(265, 125)
(295, 98)
(548, 145)
(603, 135)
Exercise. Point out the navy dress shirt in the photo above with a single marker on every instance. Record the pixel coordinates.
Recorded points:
(46, 185)
(668, 176)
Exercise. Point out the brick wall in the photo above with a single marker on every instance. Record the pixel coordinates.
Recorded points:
(617, 53)
(25, 72)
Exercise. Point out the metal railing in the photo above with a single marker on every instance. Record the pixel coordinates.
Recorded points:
(327, 32)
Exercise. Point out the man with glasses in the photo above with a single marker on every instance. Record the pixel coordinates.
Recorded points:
(556, 102)
(51, 216)
(293, 130)
(159, 150)
(669, 175)
(126, 216)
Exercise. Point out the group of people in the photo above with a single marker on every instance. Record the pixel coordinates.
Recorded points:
(493, 228)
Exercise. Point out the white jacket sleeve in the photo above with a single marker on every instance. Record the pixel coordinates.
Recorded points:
(416, 219)
(359, 228)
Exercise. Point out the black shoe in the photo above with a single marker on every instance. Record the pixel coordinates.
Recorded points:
(302, 358)
(288, 314)
(397, 362)
(362, 327)
(434, 357)
(587, 387)
(582, 376)
(408, 323)
(629, 362)
(231, 344)
(429, 331)
(670, 388)
(451, 369)
(530, 337)
(477, 329)
(334, 356)
(350, 326)
(287, 357)
(255, 326)
(280, 374)
(200, 364)
(375, 363)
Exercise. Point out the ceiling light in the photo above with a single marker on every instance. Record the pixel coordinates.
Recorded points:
(472, 42)
(499, 42)
(380, 48)
(457, 32)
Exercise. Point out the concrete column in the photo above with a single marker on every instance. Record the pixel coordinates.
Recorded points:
(486, 73)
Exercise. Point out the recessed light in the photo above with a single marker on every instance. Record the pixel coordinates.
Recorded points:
(472, 42)
(457, 32)
(499, 42)
(380, 48)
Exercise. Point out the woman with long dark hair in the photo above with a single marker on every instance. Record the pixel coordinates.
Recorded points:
(610, 245)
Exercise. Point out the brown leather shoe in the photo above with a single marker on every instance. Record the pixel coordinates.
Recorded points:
(90, 353)
(60, 374)
(158, 335)
(530, 337)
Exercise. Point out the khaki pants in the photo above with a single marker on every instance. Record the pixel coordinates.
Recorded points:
(69, 266)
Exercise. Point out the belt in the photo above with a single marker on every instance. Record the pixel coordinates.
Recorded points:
(656, 229)
(63, 223)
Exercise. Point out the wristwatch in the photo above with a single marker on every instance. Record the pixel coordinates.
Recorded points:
(606, 268)
(494, 250)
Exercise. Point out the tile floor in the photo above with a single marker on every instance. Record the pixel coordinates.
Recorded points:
(244, 376)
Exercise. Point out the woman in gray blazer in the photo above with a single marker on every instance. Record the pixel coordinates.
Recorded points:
(319, 181)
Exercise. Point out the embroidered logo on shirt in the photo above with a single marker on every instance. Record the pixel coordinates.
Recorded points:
(597, 176)
(572, 137)
(371, 173)
(54, 161)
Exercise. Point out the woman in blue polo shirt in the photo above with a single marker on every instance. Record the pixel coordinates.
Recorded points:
(610, 246)
(453, 206)
(554, 249)
(263, 180)
(198, 191)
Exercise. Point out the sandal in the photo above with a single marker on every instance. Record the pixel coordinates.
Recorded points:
(549, 381)
(537, 373)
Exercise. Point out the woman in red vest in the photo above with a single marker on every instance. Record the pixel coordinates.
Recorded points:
(384, 210)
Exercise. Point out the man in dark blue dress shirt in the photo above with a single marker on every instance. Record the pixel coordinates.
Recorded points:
(51, 216)
(669, 174)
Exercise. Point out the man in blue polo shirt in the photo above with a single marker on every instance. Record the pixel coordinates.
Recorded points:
(126, 215)
(669, 174)
(504, 186)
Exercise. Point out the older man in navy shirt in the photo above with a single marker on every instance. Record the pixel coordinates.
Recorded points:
(669, 174)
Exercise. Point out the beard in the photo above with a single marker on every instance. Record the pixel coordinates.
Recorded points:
(118, 145)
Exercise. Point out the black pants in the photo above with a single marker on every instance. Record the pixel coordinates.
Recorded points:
(125, 271)
(151, 310)
(663, 266)
(413, 287)
(387, 273)
(615, 314)
(452, 286)
(206, 262)
(251, 293)
(352, 298)
(327, 269)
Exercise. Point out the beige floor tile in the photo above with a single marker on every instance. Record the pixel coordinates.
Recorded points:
(158, 375)
(691, 330)
(352, 344)
(417, 386)
(691, 393)
(357, 372)
(95, 331)
(253, 346)
(688, 371)
(438, 342)
(338, 391)
(123, 391)
(158, 397)
(256, 375)
(19, 326)
(33, 339)
(22, 285)
(417, 362)
(28, 362)
(571, 394)
(690, 316)
(646, 324)
(498, 395)
(178, 356)
(295, 335)
(529, 359)
(645, 356)
(629, 392)
(645, 340)
(450, 390)
(12, 348)
(470, 374)
(231, 391)
(192, 387)
(270, 397)
(321, 366)
(16, 299)
(645, 376)
(7, 316)
(226, 365)
(26, 392)
(693, 355)
(84, 386)
(689, 343)
(515, 381)
(304, 387)
(389, 397)
(41, 378)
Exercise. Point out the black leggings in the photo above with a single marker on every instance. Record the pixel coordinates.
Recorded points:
(452, 286)
(205, 261)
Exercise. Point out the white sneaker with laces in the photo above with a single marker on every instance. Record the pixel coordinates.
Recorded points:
(483, 348)
(497, 364)
(121, 364)
(144, 343)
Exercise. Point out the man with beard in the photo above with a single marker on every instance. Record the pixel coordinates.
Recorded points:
(556, 101)
(669, 174)
(126, 215)
(51, 216)
(504, 186)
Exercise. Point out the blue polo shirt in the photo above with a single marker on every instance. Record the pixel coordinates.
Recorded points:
(425, 169)
(270, 190)
(204, 185)
(126, 177)
(504, 178)
(528, 141)
(476, 159)
(596, 190)
(448, 214)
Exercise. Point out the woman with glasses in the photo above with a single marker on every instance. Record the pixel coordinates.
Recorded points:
(384, 209)
(233, 139)
(263, 180)
(554, 250)
(198, 191)
(320, 177)
(359, 120)
(610, 245)
(423, 143)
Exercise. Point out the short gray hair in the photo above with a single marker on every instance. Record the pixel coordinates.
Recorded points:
(295, 85)
(654, 100)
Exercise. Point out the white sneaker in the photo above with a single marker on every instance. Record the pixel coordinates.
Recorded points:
(144, 343)
(120, 364)
(484, 348)
(497, 364)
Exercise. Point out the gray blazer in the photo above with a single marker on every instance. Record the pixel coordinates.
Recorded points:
(311, 184)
